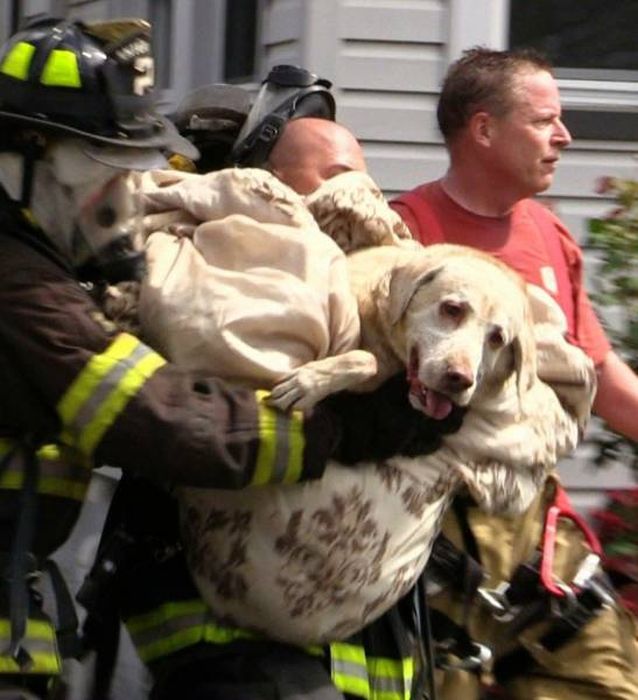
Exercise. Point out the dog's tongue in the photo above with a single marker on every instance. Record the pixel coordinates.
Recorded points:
(432, 403)
(436, 405)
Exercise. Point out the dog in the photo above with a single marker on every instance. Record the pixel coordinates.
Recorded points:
(315, 562)
(457, 319)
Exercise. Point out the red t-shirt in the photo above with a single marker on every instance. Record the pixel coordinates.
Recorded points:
(531, 240)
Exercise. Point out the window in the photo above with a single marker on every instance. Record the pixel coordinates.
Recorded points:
(240, 40)
(595, 54)
(583, 39)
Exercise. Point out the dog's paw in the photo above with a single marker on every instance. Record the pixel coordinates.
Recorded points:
(286, 393)
(297, 390)
(307, 385)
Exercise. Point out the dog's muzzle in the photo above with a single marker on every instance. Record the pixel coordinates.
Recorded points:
(119, 261)
(431, 402)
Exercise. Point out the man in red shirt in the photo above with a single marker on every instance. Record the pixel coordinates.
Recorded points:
(500, 116)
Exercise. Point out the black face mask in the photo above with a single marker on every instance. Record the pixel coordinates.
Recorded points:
(116, 262)
(103, 241)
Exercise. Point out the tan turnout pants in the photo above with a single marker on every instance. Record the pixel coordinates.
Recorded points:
(600, 661)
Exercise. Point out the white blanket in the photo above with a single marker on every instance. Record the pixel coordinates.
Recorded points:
(241, 282)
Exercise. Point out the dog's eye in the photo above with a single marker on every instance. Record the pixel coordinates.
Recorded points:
(496, 338)
(452, 310)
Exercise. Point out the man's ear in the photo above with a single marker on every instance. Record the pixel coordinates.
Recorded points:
(480, 125)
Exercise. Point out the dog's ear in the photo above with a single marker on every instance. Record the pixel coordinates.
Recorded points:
(524, 349)
(405, 281)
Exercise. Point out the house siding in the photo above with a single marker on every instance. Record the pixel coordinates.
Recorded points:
(386, 59)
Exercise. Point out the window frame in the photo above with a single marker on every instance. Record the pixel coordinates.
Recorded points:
(600, 108)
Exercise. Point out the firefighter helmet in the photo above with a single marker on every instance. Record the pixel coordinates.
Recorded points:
(93, 81)
(288, 92)
(210, 117)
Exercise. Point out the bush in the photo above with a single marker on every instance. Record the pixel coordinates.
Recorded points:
(614, 238)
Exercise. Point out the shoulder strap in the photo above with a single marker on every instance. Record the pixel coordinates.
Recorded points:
(556, 257)
(21, 564)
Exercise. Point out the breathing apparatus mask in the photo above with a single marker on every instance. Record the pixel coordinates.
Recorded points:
(106, 241)
(288, 92)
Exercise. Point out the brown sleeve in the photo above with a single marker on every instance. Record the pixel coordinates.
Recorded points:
(178, 428)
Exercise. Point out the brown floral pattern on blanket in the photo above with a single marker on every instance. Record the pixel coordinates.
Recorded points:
(353, 545)
(220, 564)
(352, 210)
(324, 558)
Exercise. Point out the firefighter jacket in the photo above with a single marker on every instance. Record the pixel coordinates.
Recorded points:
(167, 620)
(103, 397)
(82, 395)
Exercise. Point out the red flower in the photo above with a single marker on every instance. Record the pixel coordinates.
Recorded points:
(625, 497)
(610, 524)
(604, 185)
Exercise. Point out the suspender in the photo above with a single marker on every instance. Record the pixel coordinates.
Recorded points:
(556, 258)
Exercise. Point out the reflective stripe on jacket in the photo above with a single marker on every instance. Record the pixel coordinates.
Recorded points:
(102, 390)
(281, 447)
(39, 641)
(373, 677)
(175, 626)
(62, 471)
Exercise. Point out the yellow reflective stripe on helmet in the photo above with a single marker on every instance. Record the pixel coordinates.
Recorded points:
(39, 641)
(390, 679)
(175, 626)
(18, 60)
(281, 445)
(62, 474)
(103, 389)
(349, 669)
(61, 69)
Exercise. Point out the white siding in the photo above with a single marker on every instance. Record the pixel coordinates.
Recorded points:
(282, 32)
(387, 58)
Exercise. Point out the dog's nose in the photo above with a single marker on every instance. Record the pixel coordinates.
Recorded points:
(457, 379)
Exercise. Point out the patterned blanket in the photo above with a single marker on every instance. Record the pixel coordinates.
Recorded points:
(245, 280)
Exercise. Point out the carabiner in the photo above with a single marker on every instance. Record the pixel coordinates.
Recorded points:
(495, 599)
